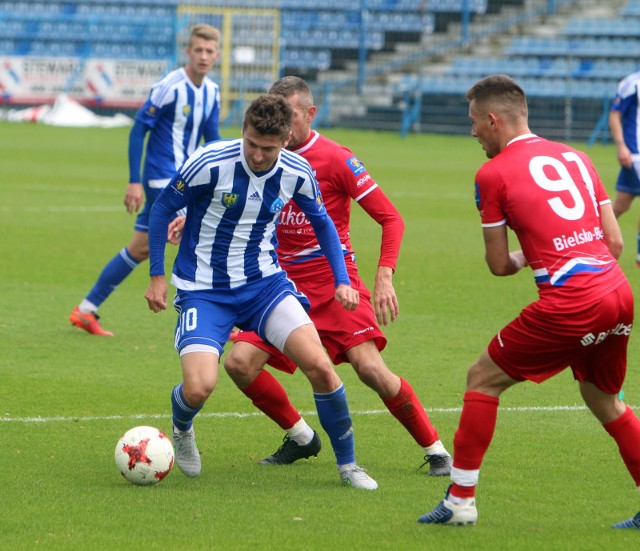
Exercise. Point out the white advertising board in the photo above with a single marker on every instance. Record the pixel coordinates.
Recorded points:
(100, 82)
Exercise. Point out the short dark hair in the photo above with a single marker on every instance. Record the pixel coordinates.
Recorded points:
(269, 114)
(502, 92)
(291, 85)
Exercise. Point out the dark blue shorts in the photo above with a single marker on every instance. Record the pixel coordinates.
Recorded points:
(628, 181)
(207, 317)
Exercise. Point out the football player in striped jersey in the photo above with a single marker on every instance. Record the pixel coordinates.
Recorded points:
(181, 111)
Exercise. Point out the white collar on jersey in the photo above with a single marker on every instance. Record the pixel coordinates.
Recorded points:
(313, 137)
(522, 137)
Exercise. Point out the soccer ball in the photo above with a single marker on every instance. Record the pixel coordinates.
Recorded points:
(144, 455)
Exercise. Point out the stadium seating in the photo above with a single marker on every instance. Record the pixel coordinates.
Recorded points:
(569, 77)
(631, 8)
(585, 60)
(87, 28)
(475, 6)
(137, 28)
(624, 27)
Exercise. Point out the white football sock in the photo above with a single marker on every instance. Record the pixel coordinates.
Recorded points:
(301, 432)
(436, 448)
(87, 307)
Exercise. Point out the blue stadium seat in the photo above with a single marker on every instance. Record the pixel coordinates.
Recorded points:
(631, 9)
(7, 47)
(455, 6)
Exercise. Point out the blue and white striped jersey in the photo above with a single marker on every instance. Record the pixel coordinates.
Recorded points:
(179, 115)
(626, 102)
(229, 235)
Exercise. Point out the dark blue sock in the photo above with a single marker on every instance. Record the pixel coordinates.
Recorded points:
(333, 412)
(183, 413)
(114, 273)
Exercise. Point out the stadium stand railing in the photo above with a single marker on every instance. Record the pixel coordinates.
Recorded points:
(569, 78)
(369, 54)
(299, 36)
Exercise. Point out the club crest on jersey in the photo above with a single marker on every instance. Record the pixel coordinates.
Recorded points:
(229, 200)
(356, 165)
(186, 110)
(277, 205)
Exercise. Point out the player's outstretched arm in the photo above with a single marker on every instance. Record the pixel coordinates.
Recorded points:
(385, 301)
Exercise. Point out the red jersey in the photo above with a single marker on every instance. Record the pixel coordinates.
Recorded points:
(341, 177)
(550, 195)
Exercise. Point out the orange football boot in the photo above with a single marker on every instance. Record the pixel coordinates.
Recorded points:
(88, 322)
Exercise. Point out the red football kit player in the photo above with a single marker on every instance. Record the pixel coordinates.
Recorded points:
(553, 206)
(354, 336)
(552, 198)
(342, 178)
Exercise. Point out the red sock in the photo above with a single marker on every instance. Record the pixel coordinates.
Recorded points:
(406, 408)
(267, 394)
(474, 434)
(625, 430)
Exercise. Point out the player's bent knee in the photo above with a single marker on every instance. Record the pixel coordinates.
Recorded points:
(385, 386)
(196, 395)
(322, 376)
(242, 372)
(232, 367)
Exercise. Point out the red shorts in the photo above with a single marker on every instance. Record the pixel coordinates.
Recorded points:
(338, 328)
(591, 339)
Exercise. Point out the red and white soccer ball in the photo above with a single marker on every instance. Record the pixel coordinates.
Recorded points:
(144, 455)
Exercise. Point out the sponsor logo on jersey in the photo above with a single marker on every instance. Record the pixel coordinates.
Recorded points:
(180, 185)
(621, 329)
(577, 238)
(277, 205)
(366, 178)
(151, 111)
(291, 217)
(255, 196)
(229, 200)
(356, 165)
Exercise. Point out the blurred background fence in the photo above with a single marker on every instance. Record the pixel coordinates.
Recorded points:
(401, 65)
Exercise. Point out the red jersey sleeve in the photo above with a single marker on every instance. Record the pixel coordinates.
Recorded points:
(382, 210)
(490, 193)
(362, 188)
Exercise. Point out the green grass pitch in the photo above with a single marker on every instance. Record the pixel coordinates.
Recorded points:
(552, 479)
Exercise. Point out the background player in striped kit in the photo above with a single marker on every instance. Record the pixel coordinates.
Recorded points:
(182, 109)
(551, 196)
(624, 124)
(227, 273)
(352, 337)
